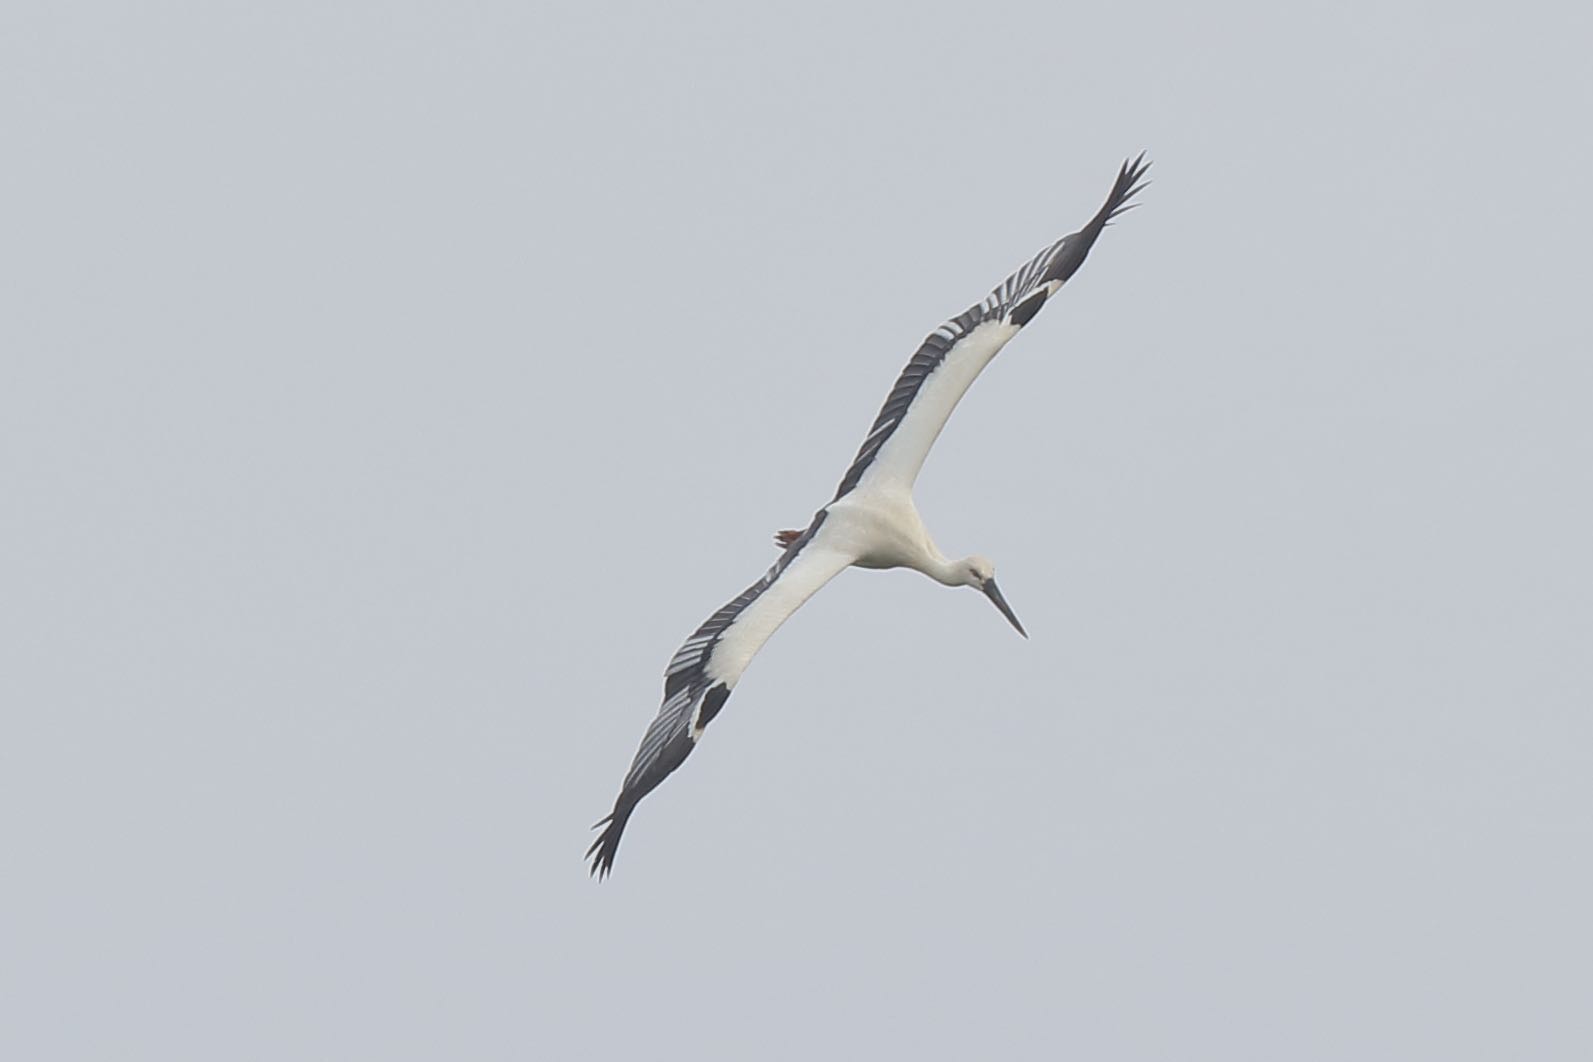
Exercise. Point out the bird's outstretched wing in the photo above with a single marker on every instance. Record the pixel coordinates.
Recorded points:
(952, 356)
(702, 673)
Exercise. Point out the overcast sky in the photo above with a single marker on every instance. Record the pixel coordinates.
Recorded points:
(387, 390)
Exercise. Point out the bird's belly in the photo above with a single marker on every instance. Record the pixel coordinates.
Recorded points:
(882, 534)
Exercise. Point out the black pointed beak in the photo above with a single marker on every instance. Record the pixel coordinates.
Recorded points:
(993, 592)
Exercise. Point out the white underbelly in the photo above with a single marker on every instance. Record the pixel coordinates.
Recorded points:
(882, 531)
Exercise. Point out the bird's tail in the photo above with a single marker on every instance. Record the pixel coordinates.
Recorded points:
(606, 846)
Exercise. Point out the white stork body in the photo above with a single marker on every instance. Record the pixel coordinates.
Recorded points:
(871, 522)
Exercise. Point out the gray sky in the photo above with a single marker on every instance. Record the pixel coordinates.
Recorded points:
(387, 391)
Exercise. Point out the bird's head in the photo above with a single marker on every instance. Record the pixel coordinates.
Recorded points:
(980, 573)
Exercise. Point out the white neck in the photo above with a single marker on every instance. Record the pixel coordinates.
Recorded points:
(944, 571)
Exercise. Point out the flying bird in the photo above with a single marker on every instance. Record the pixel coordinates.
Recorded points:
(870, 523)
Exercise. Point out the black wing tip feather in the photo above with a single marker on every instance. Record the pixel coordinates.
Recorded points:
(651, 768)
(1129, 183)
(606, 846)
(1131, 180)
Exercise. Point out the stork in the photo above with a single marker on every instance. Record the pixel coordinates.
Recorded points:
(870, 523)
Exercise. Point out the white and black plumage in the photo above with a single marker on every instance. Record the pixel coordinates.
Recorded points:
(870, 523)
